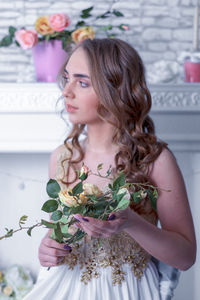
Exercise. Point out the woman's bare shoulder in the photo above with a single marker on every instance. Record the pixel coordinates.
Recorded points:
(165, 161)
(60, 150)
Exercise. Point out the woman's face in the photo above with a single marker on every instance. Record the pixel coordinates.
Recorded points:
(81, 102)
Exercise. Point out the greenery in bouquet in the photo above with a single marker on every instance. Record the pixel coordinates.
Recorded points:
(55, 27)
(88, 200)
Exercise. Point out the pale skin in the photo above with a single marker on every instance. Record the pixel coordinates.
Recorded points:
(175, 242)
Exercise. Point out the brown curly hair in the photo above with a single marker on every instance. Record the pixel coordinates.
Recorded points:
(118, 78)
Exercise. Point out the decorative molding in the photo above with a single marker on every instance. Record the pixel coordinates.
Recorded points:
(29, 98)
(42, 97)
(176, 98)
(31, 125)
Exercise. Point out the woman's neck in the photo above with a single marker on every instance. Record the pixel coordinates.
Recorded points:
(99, 139)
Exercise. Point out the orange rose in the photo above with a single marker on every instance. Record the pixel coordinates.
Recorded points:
(42, 26)
(26, 38)
(58, 22)
(83, 33)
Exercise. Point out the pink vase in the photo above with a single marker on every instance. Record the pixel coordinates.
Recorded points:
(192, 71)
(48, 58)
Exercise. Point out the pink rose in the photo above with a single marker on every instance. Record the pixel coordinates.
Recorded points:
(58, 22)
(26, 38)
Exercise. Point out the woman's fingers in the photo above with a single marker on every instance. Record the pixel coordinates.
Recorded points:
(47, 260)
(52, 253)
(98, 228)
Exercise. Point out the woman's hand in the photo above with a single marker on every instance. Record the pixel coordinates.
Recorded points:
(52, 253)
(116, 222)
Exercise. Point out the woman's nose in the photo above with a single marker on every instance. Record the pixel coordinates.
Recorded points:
(68, 90)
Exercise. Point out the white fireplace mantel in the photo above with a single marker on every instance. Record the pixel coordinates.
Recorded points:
(30, 120)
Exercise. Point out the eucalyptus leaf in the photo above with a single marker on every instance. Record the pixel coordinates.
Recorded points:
(64, 228)
(58, 233)
(87, 10)
(80, 24)
(155, 193)
(110, 186)
(123, 204)
(9, 233)
(12, 30)
(117, 13)
(77, 210)
(30, 230)
(120, 196)
(64, 220)
(67, 235)
(99, 167)
(136, 197)
(22, 220)
(119, 181)
(83, 176)
(6, 41)
(77, 189)
(53, 188)
(152, 199)
(85, 13)
(66, 211)
(50, 206)
(56, 215)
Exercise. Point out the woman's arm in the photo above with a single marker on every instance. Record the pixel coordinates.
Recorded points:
(175, 242)
(52, 253)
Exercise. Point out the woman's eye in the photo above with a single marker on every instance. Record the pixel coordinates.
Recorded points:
(65, 78)
(83, 84)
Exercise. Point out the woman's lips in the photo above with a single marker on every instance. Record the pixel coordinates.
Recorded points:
(71, 108)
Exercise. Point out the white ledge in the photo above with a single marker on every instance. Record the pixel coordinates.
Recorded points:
(31, 124)
(42, 97)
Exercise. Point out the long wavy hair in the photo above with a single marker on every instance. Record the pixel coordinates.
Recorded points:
(118, 78)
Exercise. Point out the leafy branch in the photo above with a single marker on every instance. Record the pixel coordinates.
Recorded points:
(63, 204)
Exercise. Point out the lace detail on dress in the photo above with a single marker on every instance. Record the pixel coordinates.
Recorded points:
(110, 252)
(92, 254)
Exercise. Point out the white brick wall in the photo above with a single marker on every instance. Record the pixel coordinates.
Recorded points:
(158, 29)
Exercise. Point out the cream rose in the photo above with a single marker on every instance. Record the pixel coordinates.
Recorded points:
(26, 38)
(91, 189)
(42, 26)
(83, 33)
(58, 22)
(67, 199)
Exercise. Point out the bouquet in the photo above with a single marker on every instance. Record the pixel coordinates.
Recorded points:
(53, 27)
(88, 200)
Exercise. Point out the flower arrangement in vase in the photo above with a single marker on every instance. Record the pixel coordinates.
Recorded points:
(50, 40)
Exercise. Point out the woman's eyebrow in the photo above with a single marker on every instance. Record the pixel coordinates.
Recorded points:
(78, 74)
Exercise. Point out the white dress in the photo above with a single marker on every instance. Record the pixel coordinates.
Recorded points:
(115, 268)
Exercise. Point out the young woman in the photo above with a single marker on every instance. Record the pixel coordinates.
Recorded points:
(106, 97)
